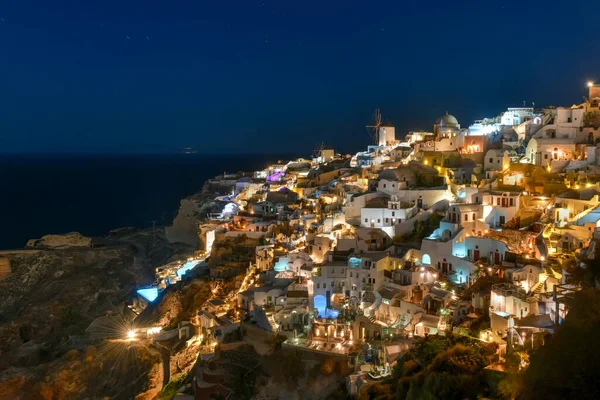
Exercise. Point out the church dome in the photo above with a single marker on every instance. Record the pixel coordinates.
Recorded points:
(447, 120)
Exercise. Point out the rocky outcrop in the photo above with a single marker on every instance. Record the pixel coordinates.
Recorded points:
(195, 209)
(53, 294)
(51, 297)
(4, 267)
(73, 239)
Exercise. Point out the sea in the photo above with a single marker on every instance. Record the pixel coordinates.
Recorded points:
(92, 194)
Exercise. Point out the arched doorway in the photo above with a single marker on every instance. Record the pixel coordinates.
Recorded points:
(321, 304)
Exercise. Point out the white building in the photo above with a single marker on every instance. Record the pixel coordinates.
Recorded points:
(511, 299)
(486, 126)
(517, 115)
(386, 215)
(496, 159)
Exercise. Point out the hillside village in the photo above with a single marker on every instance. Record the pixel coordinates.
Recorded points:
(470, 231)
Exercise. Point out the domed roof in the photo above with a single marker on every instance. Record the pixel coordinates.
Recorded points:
(447, 120)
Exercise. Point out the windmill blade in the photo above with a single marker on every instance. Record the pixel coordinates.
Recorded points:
(373, 129)
(319, 149)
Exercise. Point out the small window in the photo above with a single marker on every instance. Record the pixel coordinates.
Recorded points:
(393, 213)
(366, 220)
(491, 160)
(324, 286)
(384, 185)
(318, 286)
(378, 220)
(466, 217)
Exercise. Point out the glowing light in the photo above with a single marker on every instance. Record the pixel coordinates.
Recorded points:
(131, 335)
(543, 258)
(590, 83)
(425, 162)
(154, 330)
(489, 269)
(588, 185)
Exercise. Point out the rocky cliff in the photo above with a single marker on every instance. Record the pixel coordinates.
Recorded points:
(73, 239)
(195, 209)
(51, 296)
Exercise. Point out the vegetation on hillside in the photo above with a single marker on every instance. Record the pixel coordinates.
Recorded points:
(439, 367)
(567, 366)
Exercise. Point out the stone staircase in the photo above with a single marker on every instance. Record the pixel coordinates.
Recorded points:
(537, 288)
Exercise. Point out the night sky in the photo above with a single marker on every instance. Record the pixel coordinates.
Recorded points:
(258, 76)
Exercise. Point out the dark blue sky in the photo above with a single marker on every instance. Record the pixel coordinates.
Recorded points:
(257, 76)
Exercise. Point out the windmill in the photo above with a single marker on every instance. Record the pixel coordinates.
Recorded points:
(318, 152)
(373, 129)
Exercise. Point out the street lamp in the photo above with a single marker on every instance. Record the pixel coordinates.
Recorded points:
(131, 335)
(590, 83)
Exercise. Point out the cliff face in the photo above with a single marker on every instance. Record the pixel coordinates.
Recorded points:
(52, 294)
(48, 300)
(194, 209)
